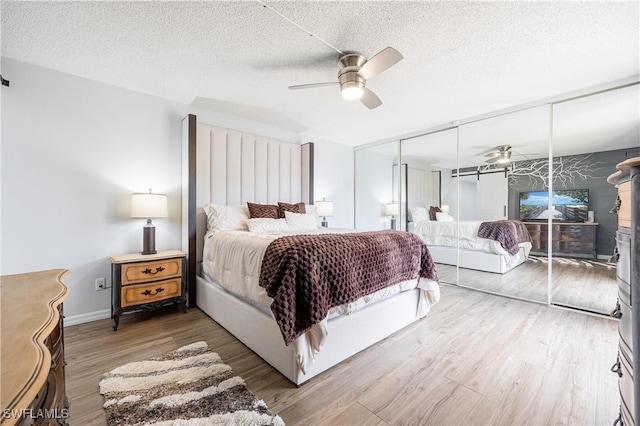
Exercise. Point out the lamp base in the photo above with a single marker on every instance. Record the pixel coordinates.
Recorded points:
(149, 238)
(393, 222)
(324, 223)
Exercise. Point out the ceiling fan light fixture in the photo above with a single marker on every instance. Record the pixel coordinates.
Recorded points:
(351, 84)
(352, 90)
(505, 157)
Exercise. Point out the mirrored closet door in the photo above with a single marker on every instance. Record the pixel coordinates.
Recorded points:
(543, 166)
(501, 157)
(583, 236)
(432, 196)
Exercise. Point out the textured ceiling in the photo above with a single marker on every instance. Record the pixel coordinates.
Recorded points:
(461, 59)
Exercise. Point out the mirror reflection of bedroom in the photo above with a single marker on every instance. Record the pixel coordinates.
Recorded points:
(454, 184)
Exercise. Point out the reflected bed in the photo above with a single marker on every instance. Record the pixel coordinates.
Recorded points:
(445, 237)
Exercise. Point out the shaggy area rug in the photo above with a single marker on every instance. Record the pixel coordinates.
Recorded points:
(574, 262)
(189, 386)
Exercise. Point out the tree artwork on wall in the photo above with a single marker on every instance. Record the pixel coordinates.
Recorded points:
(534, 173)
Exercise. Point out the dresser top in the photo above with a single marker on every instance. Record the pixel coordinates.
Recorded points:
(29, 314)
(138, 257)
(623, 170)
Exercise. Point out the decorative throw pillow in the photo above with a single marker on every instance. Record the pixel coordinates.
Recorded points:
(418, 214)
(265, 225)
(263, 210)
(294, 208)
(432, 212)
(444, 217)
(301, 221)
(226, 218)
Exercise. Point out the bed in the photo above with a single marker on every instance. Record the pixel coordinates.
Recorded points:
(458, 243)
(228, 169)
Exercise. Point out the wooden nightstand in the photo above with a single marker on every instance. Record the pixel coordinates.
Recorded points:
(147, 282)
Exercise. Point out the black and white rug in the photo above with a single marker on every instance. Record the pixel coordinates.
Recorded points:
(567, 261)
(189, 386)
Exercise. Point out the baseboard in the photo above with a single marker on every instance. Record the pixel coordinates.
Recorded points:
(88, 317)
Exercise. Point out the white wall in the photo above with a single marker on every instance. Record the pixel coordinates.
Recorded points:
(449, 191)
(375, 188)
(73, 150)
(468, 194)
(333, 180)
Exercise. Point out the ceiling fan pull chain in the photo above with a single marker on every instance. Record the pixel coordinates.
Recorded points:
(299, 26)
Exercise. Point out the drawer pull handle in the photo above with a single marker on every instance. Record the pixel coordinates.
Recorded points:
(616, 255)
(617, 206)
(616, 368)
(618, 421)
(617, 312)
(148, 292)
(150, 272)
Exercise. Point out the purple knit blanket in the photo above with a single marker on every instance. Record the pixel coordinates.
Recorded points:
(509, 233)
(307, 275)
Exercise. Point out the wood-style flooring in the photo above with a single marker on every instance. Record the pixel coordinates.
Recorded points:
(476, 359)
(577, 283)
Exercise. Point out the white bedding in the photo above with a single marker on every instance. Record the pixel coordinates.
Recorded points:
(463, 234)
(232, 259)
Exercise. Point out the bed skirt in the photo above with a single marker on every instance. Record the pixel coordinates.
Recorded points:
(478, 260)
(348, 335)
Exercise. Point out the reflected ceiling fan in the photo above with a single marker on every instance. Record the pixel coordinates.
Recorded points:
(501, 156)
(354, 72)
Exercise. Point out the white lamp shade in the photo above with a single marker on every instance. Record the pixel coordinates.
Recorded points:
(148, 205)
(391, 209)
(445, 208)
(324, 208)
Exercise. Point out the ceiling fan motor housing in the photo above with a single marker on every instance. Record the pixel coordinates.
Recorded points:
(351, 83)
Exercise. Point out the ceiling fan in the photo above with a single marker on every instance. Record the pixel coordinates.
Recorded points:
(501, 156)
(354, 72)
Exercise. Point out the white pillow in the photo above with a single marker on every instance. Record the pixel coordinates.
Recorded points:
(418, 214)
(301, 221)
(444, 217)
(265, 225)
(226, 218)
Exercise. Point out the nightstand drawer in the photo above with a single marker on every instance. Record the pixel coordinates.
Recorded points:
(138, 294)
(147, 271)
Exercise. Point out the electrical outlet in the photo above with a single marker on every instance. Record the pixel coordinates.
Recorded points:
(101, 284)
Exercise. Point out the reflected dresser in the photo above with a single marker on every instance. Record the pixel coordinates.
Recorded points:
(627, 365)
(33, 382)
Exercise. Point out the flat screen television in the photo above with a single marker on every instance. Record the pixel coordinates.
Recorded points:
(568, 205)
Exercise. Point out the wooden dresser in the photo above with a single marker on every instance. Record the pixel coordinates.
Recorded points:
(627, 180)
(33, 382)
(147, 281)
(567, 239)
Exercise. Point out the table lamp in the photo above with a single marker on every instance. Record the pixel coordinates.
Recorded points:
(391, 210)
(148, 205)
(324, 208)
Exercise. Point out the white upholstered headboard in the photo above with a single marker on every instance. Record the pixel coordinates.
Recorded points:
(229, 167)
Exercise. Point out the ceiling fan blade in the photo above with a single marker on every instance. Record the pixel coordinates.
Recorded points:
(381, 61)
(492, 160)
(492, 154)
(370, 99)
(312, 85)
